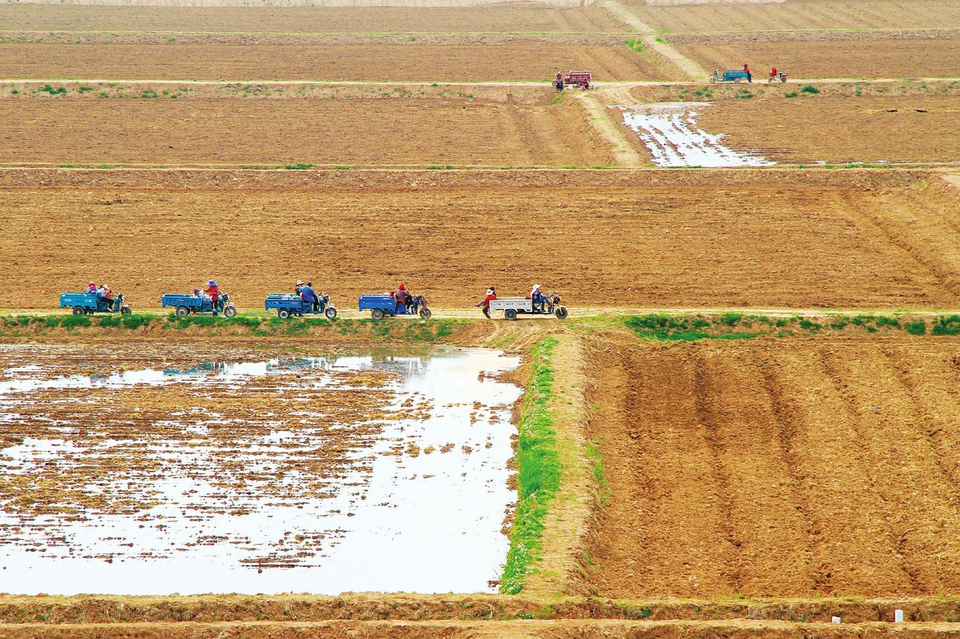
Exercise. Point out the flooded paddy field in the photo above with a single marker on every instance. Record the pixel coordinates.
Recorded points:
(166, 468)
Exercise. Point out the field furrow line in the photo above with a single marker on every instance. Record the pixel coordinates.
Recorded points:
(923, 527)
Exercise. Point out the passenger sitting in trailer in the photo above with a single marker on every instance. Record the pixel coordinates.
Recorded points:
(539, 299)
(92, 288)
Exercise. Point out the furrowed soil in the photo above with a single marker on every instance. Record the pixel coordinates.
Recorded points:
(455, 130)
(843, 59)
(676, 244)
(778, 468)
(497, 18)
(799, 15)
(370, 63)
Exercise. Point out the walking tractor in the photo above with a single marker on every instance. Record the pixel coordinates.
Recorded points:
(83, 303)
(386, 304)
(579, 79)
(513, 306)
(287, 304)
(186, 304)
(730, 75)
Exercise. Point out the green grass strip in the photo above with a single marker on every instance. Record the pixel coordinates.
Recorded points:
(539, 468)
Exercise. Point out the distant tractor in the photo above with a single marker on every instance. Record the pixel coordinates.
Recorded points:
(198, 303)
(729, 75)
(513, 306)
(287, 304)
(579, 79)
(387, 304)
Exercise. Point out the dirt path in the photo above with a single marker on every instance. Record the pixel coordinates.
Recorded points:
(693, 70)
(624, 152)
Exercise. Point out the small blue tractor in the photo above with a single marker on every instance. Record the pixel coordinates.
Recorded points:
(198, 303)
(82, 303)
(381, 305)
(287, 304)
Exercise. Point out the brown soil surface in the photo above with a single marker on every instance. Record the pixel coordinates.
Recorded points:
(667, 246)
(846, 59)
(800, 14)
(505, 17)
(456, 131)
(397, 63)
(807, 129)
(779, 468)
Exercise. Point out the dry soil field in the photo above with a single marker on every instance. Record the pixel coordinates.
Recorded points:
(750, 243)
(835, 59)
(789, 469)
(364, 63)
(795, 15)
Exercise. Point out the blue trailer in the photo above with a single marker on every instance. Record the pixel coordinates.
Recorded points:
(82, 303)
(186, 304)
(287, 304)
(381, 305)
(729, 75)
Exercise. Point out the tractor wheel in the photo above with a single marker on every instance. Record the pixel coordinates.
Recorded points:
(561, 312)
(283, 313)
(331, 312)
(737, 80)
(713, 80)
(377, 313)
(510, 314)
(425, 312)
(230, 311)
(78, 310)
(126, 310)
(182, 311)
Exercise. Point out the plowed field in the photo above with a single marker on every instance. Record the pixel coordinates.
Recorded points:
(399, 63)
(780, 468)
(405, 132)
(842, 59)
(669, 246)
(496, 18)
(800, 14)
(866, 129)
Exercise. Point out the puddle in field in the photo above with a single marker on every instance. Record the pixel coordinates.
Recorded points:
(318, 475)
(669, 131)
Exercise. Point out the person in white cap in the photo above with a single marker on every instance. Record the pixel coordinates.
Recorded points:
(538, 299)
(485, 302)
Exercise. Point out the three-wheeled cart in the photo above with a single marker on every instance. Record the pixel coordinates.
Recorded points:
(729, 75)
(287, 304)
(513, 306)
(186, 304)
(82, 303)
(381, 305)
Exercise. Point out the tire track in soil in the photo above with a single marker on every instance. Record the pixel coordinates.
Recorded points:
(659, 535)
(708, 419)
(848, 546)
(921, 275)
(931, 380)
(920, 525)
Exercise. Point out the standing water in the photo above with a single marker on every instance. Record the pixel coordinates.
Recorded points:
(318, 475)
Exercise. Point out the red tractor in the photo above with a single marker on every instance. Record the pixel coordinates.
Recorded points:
(579, 79)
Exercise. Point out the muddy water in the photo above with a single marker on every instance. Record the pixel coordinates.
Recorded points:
(320, 475)
(670, 133)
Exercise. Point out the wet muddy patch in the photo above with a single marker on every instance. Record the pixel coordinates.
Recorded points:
(670, 132)
(127, 471)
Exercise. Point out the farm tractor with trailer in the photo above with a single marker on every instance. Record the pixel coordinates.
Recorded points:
(198, 303)
(388, 304)
(736, 75)
(88, 303)
(287, 304)
(579, 79)
(513, 306)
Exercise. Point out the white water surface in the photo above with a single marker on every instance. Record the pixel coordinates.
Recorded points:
(427, 523)
(669, 131)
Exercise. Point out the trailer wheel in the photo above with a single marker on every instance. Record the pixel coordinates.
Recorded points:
(510, 314)
(377, 313)
(737, 80)
(425, 312)
(713, 80)
(561, 312)
(331, 312)
(283, 313)
(125, 310)
(230, 311)
(182, 311)
(78, 310)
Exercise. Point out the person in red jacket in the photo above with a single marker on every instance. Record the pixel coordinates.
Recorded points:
(746, 69)
(485, 302)
(213, 291)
